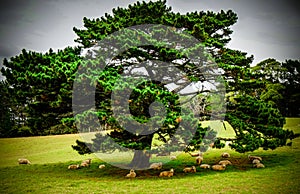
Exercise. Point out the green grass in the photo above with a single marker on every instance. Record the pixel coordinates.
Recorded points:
(51, 156)
(40, 150)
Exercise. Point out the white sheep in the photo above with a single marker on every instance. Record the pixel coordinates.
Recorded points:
(255, 161)
(205, 166)
(24, 161)
(199, 160)
(167, 173)
(173, 157)
(101, 166)
(88, 161)
(156, 166)
(189, 169)
(131, 174)
(219, 167)
(84, 164)
(226, 162)
(194, 154)
(254, 157)
(73, 166)
(259, 165)
(225, 155)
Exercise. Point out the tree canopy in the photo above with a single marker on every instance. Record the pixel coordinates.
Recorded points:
(256, 122)
(280, 84)
(39, 90)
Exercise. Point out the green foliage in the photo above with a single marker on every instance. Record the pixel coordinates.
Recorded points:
(202, 25)
(291, 93)
(273, 94)
(268, 70)
(6, 117)
(21, 131)
(82, 147)
(40, 88)
(256, 124)
(202, 140)
(279, 84)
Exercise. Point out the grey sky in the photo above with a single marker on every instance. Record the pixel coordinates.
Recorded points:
(265, 28)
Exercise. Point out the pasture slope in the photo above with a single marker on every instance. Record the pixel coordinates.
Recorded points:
(51, 155)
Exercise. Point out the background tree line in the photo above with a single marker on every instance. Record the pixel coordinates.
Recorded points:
(281, 84)
(37, 92)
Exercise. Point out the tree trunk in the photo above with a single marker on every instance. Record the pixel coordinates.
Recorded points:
(140, 160)
(141, 157)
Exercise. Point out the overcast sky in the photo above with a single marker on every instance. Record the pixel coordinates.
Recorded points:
(265, 28)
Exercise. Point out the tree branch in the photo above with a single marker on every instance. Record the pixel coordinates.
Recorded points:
(226, 139)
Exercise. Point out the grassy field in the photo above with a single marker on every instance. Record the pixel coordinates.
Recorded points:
(51, 155)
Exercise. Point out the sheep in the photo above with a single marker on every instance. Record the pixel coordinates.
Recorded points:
(255, 161)
(167, 173)
(199, 160)
(189, 169)
(156, 166)
(101, 166)
(259, 165)
(205, 166)
(225, 155)
(196, 154)
(226, 162)
(254, 157)
(86, 163)
(73, 166)
(173, 157)
(131, 174)
(218, 167)
(24, 161)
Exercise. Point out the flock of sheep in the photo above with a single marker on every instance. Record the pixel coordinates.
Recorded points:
(85, 163)
(220, 166)
(256, 161)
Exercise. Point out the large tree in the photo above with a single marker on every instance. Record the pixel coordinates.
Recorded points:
(256, 123)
